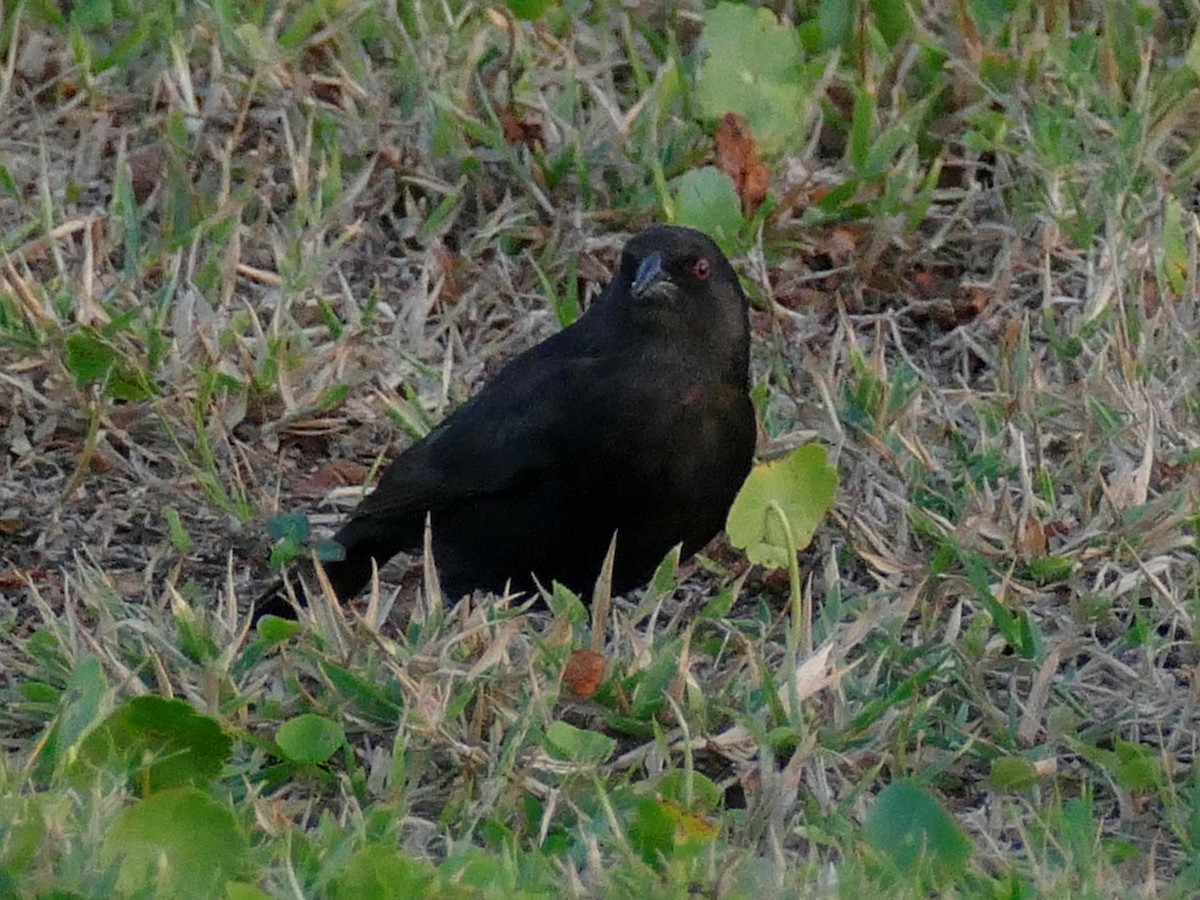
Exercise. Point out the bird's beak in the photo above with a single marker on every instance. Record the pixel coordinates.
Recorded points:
(649, 273)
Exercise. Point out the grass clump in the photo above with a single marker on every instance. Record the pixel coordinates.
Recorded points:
(243, 248)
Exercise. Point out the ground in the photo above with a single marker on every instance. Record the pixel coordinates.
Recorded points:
(248, 253)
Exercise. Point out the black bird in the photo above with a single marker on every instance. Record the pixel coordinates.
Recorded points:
(635, 419)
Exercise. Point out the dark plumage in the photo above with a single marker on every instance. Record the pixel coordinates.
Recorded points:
(634, 419)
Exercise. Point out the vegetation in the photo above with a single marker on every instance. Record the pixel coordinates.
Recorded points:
(247, 249)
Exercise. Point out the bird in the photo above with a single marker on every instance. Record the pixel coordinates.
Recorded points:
(634, 420)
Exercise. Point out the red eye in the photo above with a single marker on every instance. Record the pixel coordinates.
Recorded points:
(702, 269)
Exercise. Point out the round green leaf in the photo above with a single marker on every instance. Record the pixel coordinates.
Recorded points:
(158, 743)
(753, 67)
(310, 739)
(274, 630)
(801, 485)
(707, 200)
(380, 870)
(909, 826)
(176, 843)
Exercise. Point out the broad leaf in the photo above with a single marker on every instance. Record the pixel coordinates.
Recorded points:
(801, 486)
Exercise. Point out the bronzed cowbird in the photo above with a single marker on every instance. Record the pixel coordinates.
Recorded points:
(635, 420)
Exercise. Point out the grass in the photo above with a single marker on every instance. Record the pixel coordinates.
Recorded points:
(248, 251)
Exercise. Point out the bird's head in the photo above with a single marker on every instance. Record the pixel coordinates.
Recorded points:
(677, 281)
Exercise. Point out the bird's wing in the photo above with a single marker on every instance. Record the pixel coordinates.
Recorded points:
(508, 432)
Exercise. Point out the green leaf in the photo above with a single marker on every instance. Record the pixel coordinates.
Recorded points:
(652, 831)
(909, 826)
(92, 13)
(81, 701)
(706, 199)
(647, 689)
(380, 870)
(691, 790)
(753, 67)
(566, 605)
(801, 486)
(39, 692)
(180, 539)
(836, 18)
(369, 698)
(195, 641)
(157, 743)
(332, 397)
(1138, 767)
(529, 9)
(1050, 569)
(442, 213)
(893, 18)
(177, 843)
(8, 185)
(289, 527)
(1012, 773)
(309, 739)
(563, 741)
(328, 551)
(666, 576)
(78, 706)
(259, 48)
(89, 358)
(717, 607)
(862, 126)
(1175, 255)
(274, 630)
(289, 532)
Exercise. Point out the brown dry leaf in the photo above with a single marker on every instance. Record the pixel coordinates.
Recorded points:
(11, 578)
(452, 266)
(583, 673)
(1046, 768)
(737, 157)
(146, 170)
(1032, 540)
(333, 474)
(520, 130)
(1151, 300)
(819, 193)
(969, 34)
(328, 90)
(976, 298)
(923, 283)
(840, 244)
(496, 651)
(816, 673)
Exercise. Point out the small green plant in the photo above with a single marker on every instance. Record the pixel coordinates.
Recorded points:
(911, 829)
(290, 533)
(775, 515)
